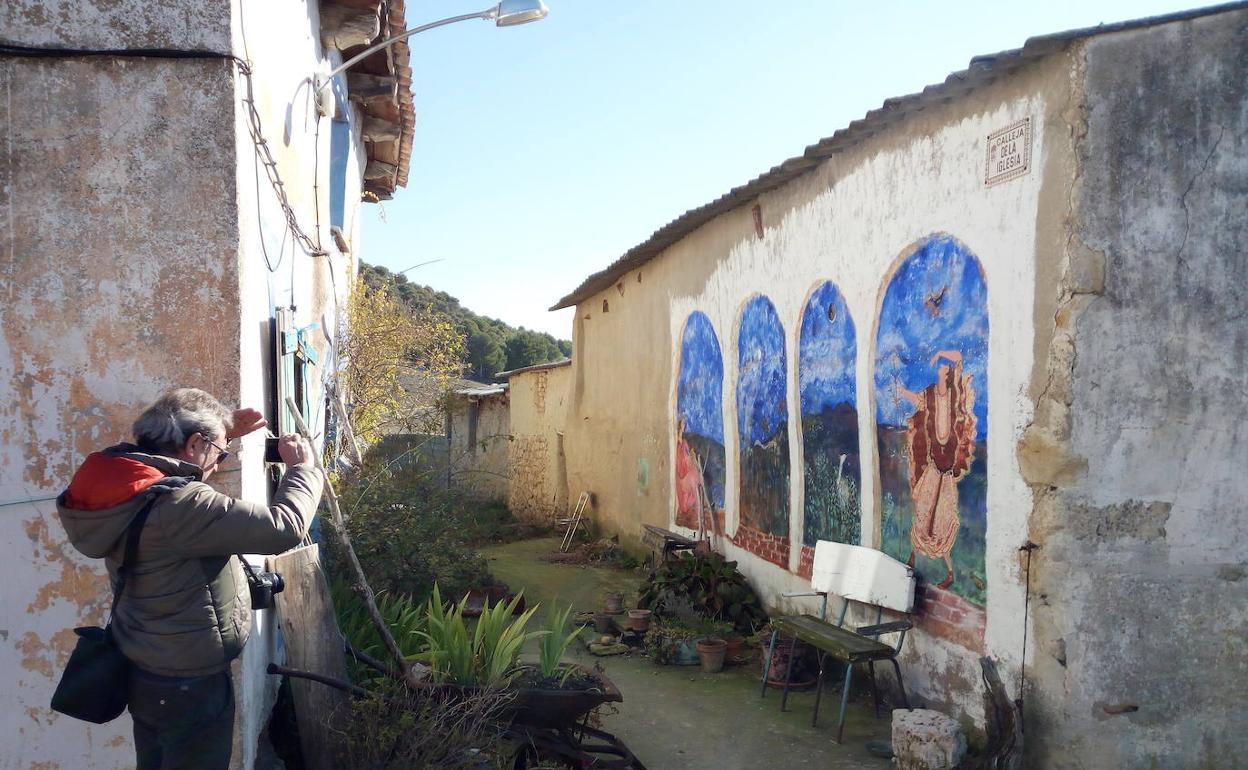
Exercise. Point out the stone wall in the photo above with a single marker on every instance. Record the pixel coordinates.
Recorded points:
(537, 482)
(1139, 584)
(479, 454)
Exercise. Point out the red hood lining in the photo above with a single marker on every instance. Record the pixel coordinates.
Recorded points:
(104, 481)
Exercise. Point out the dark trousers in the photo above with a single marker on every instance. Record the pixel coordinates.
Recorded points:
(181, 723)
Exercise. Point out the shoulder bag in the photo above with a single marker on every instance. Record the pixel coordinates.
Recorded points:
(94, 685)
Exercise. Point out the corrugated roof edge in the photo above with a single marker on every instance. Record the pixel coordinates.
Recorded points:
(536, 367)
(980, 68)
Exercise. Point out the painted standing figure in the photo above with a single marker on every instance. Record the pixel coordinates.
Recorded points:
(941, 439)
(688, 476)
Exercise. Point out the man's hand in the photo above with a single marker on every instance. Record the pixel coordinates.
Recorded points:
(245, 421)
(294, 449)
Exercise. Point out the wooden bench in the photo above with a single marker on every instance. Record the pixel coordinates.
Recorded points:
(857, 574)
(666, 541)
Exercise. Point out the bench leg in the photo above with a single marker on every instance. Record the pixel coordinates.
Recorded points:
(771, 650)
(814, 719)
(788, 674)
(875, 691)
(904, 700)
(840, 725)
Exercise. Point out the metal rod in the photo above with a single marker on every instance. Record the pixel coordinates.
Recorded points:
(328, 681)
(486, 14)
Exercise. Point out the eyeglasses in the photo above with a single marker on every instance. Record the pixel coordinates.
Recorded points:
(223, 454)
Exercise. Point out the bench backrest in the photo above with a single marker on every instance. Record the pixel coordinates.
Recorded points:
(863, 575)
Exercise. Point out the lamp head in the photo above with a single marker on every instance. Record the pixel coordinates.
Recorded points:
(512, 12)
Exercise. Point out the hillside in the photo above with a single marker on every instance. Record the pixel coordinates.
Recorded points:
(491, 345)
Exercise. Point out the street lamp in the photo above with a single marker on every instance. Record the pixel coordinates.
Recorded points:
(507, 13)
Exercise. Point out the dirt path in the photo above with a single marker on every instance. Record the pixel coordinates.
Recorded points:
(676, 717)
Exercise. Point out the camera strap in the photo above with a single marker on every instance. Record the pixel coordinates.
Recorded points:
(251, 573)
(130, 556)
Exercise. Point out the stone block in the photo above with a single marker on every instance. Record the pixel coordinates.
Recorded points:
(926, 740)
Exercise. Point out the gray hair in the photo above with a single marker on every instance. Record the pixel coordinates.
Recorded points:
(179, 414)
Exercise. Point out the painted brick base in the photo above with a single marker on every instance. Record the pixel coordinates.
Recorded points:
(806, 563)
(773, 548)
(945, 614)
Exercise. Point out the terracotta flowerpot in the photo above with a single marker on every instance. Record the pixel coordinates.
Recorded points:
(736, 648)
(779, 663)
(602, 623)
(639, 620)
(711, 653)
(613, 604)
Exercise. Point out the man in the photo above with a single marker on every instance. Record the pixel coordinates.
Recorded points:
(185, 612)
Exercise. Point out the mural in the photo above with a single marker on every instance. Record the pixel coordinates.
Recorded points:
(699, 424)
(763, 431)
(931, 395)
(827, 351)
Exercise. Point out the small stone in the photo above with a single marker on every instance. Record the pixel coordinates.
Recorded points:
(926, 740)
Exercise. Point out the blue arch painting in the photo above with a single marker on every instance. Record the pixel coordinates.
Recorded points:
(931, 396)
(700, 422)
(762, 420)
(827, 352)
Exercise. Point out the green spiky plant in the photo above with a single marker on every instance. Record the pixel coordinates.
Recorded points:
(555, 643)
(486, 657)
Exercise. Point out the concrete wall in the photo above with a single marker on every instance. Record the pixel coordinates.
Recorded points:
(119, 282)
(478, 453)
(857, 221)
(537, 456)
(132, 265)
(1139, 588)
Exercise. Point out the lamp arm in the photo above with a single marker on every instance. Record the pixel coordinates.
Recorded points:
(404, 35)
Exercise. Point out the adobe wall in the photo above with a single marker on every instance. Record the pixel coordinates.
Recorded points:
(900, 235)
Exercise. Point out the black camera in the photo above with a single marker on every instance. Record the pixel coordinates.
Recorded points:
(263, 586)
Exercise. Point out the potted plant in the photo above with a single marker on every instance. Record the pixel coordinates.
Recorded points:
(639, 620)
(711, 654)
(548, 694)
(613, 602)
(672, 643)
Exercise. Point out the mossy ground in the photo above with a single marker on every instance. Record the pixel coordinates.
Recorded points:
(678, 717)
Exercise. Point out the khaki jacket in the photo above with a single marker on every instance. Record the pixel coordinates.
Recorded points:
(186, 609)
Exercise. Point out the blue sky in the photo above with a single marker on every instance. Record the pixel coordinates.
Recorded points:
(544, 152)
(761, 403)
(828, 350)
(936, 301)
(699, 394)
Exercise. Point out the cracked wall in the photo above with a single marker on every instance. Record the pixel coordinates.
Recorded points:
(120, 221)
(1141, 627)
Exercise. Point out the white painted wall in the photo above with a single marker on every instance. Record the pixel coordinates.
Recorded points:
(280, 38)
(854, 234)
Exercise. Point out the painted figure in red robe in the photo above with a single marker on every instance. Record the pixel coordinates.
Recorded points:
(688, 480)
(941, 439)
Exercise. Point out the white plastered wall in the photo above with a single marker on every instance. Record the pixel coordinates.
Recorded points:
(855, 233)
(280, 39)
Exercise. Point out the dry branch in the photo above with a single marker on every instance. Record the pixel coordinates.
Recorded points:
(413, 673)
